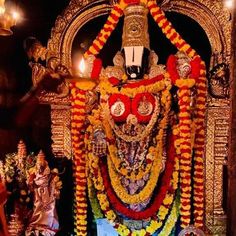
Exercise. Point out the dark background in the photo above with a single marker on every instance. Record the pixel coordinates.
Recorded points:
(38, 17)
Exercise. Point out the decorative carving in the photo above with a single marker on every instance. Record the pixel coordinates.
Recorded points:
(117, 70)
(219, 81)
(118, 60)
(15, 169)
(216, 154)
(183, 64)
(113, 71)
(38, 72)
(51, 77)
(35, 49)
(135, 29)
(60, 116)
(91, 100)
(99, 146)
(67, 26)
(214, 19)
(155, 69)
(15, 226)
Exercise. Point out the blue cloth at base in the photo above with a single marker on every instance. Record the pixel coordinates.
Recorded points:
(104, 228)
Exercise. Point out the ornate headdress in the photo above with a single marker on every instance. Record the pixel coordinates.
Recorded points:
(135, 29)
(21, 147)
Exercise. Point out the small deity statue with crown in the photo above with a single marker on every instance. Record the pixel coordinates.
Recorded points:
(46, 186)
(15, 176)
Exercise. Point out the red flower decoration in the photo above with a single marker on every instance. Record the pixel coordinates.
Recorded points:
(132, 2)
(97, 66)
(195, 67)
(144, 82)
(171, 68)
(114, 81)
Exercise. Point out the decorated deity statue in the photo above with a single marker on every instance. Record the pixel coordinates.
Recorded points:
(46, 187)
(137, 130)
(15, 171)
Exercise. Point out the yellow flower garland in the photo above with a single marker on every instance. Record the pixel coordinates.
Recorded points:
(107, 88)
(122, 229)
(198, 203)
(93, 200)
(185, 138)
(147, 191)
(77, 121)
(171, 221)
(166, 102)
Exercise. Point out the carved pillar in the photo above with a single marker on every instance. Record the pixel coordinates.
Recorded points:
(60, 117)
(60, 126)
(216, 154)
(231, 229)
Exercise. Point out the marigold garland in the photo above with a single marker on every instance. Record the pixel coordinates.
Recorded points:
(109, 26)
(110, 214)
(153, 85)
(167, 28)
(149, 187)
(172, 219)
(79, 159)
(97, 212)
(198, 200)
(165, 102)
(159, 196)
(185, 142)
(184, 86)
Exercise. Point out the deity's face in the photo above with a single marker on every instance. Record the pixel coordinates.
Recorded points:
(40, 165)
(136, 61)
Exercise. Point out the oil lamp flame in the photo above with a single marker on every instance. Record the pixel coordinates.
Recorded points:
(2, 7)
(82, 66)
(15, 15)
(229, 4)
(2, 10)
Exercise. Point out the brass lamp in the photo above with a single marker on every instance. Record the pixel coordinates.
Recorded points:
(7, 20)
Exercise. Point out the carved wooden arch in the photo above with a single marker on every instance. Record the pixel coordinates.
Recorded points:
(213, 18)
(67, 26)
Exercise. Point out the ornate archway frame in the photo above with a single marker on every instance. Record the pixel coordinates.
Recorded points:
(216, 22)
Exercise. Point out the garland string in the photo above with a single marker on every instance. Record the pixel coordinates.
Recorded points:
(79, 159)
(185, 141)
(168, 29)
(198, 177)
